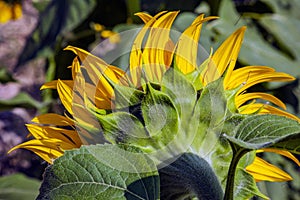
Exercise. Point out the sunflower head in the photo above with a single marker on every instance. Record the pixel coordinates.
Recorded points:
(170, 100)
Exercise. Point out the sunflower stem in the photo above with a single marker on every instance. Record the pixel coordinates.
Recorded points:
(237, 155)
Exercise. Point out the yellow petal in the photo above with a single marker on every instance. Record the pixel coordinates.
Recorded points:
(265, 109)
(155, 53)
(75, 67)
(97, 68)
(53, 84)
(281, 152)
(264, 171)
(241, 76)
(186, 61)
(266, 77)
(243, 98)
(135, 59)
(144, 16)
(53, 119)
(225, 57)
(65, 93)
(46, 152)
(69, 137)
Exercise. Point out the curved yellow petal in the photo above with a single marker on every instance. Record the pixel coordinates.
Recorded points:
(156, 57)
(98, 70)
(135, 58)
(75, 67)
(265, 109)
(145, 17)
(281, 152)
(53, 84)
(65, 93)
(241, 76)
(46, 149)
(225, 57)
(243, 98)
(186, 61)
(266, 77)
(53, 119)
(264, 171)
(47, 132)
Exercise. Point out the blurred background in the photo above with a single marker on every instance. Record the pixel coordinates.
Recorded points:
(33, 34)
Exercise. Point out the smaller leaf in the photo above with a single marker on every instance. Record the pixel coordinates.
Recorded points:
(247, 188)
(262, 131)
(21, 100)
(17, 186)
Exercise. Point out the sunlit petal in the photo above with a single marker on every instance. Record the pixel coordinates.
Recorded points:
(265, 109)
(261, 170)
(281, 152)
(243, 98)
(224, 58)
(186, 61)
(53, 119)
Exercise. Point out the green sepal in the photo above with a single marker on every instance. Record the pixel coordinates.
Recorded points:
(182, 92)
(160, 115)
(122, 127)
(126, 96)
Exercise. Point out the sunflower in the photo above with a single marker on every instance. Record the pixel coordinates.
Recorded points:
(10, 10)
(96, 85)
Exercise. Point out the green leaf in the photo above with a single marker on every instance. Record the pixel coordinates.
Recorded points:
(21, 100)
(18, 186)
(285, 7)
(277, 25)
(262, 131)
(209, 115)
(101, 172)
(247, 188)
(59, 17)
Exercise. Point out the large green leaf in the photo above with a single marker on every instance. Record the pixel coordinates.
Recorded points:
(17, 186)
(262, 131)
(101, 172)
